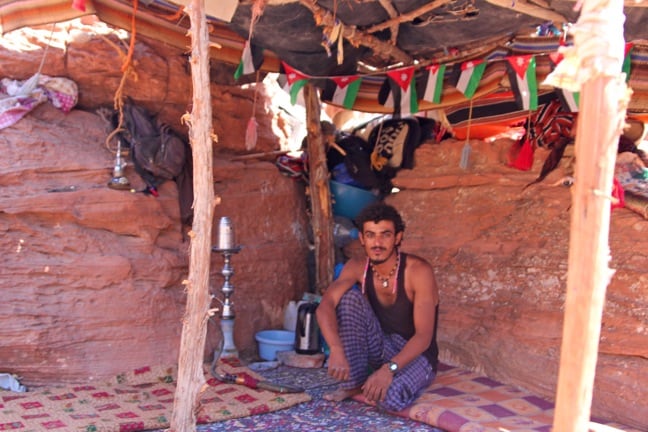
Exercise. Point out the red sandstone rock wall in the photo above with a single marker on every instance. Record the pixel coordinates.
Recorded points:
(501, 263)
(92, 55)
(92, 277)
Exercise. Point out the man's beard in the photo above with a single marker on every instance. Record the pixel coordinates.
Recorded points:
(378, 262)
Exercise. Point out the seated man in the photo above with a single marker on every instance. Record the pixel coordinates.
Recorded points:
(382, 336)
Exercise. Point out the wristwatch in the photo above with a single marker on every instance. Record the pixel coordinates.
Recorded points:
(393, 367)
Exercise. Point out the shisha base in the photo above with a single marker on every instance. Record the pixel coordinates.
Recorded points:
(228, 348)
(119, 183)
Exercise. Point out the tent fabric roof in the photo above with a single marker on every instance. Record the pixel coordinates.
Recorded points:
(379, 34)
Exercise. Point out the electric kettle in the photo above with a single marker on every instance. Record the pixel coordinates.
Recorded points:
(307, 331)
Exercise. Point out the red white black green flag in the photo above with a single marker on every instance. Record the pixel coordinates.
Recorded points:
(402, 93)
(434, 86)
(342, 90)
(294, 81)
(522, 76)
(470, 76)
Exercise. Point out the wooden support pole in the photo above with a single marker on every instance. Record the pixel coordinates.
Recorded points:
(385, 50)
(321, 213)
(588, 274)
(191, 376)
(603, 104)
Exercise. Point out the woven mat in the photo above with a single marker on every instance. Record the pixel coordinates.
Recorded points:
(138, 400)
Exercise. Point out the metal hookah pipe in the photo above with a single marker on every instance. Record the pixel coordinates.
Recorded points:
(119, 180)
(226, 246)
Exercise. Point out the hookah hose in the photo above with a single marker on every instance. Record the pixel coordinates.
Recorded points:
(250, 381)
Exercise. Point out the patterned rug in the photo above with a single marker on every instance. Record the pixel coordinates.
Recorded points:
(457, 401)
(139, 400)
(318, 414)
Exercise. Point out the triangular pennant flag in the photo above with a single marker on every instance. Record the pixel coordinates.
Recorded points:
(403, 94)
(627, 60)
(434, 86)
(342, 90)
(295, 81)
(557, 56)
(79, 5)
(251, 60)
(524, 159)
(522, 75)
(568, 99)
(618, 195)
(471, 74)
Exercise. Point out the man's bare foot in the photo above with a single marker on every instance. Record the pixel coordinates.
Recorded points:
(341, 394)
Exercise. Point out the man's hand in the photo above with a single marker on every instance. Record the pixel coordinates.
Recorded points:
(338, 366)
(376, 386)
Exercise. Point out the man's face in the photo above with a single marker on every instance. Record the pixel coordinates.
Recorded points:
(379, 240)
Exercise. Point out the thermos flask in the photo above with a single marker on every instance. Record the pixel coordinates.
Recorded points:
(307, 331)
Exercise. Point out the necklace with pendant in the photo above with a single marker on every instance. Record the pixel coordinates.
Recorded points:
(384, 281)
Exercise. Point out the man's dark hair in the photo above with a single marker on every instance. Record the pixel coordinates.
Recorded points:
(380, 211)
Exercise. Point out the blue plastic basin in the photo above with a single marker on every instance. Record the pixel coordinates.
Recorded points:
(271, 341)
(348, 200)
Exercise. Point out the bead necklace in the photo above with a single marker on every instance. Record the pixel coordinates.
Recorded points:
(385, 280)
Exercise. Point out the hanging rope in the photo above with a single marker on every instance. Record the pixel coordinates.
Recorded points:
(127, 69)
(465, 152)
(257, 10)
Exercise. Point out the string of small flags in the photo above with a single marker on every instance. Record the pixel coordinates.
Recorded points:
(399, 90)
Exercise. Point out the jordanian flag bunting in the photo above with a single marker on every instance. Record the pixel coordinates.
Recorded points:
(345, 91)
(295, 82)
(569, 99)
(246, 65)
(556, 56)
(406, 85)
(627, 61)
(524, 81)
(471, 74)
(434, 86)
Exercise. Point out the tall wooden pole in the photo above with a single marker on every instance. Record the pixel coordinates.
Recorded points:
(603, 103)
(321, 218)
(191, 376)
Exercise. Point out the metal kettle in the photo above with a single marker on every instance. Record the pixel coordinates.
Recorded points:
(307, 331)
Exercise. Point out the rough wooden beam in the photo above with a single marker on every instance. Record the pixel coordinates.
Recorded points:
(384, 50)
(531, 9)
(602, 109)
(409, 16)
(321, 211)
(472, 50)
(393, 13)
(626, 3)
(191, 376)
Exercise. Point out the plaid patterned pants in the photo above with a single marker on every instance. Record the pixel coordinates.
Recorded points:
(367, 348)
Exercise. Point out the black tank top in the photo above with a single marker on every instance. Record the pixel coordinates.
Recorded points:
(391, 317)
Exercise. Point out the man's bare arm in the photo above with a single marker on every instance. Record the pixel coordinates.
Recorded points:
(327, 319)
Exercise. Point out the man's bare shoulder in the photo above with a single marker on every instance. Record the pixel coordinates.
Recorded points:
(355, 267)
(418, 263)
(421, 274)
(351, 274)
